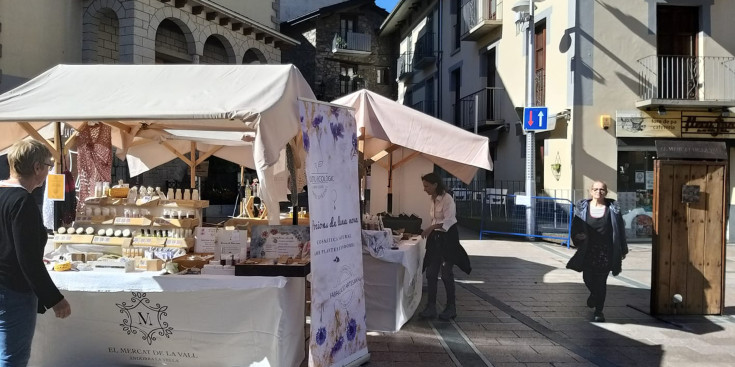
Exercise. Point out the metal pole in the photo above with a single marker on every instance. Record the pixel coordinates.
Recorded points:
(530, 135)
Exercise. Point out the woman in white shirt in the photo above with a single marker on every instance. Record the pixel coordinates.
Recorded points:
(443, 249)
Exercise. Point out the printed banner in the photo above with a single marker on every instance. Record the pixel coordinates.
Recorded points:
(338, 333)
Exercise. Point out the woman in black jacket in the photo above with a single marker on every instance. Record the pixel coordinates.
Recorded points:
(601, 244)
(25, 285)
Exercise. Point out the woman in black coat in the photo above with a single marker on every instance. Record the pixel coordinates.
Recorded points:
(601, 244)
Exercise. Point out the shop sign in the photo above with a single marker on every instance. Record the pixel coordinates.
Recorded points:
(640, 124)
(707, 125)
(667, 149)
(674, 124)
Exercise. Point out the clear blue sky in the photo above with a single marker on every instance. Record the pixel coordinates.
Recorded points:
(387, 4)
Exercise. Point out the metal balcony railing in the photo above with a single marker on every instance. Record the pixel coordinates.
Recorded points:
(487, 108)
(429, 107)
(351, 42)
(426, 106)
(404, 68)
(696, 78)
(424, 54)
(475, 12)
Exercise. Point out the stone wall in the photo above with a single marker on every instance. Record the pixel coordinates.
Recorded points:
(108, 41)
(138, 26)
(321, 67)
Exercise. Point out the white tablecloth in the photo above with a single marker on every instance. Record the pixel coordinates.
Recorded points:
(196, 320)
(393, 285)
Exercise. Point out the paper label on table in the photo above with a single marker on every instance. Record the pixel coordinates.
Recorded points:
(205, 240)
(231, 242)
(338, 331)
(55, 187)
(272, 242)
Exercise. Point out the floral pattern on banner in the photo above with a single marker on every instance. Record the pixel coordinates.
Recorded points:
(338, 332)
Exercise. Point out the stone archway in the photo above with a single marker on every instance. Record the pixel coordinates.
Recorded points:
(254, 56)
(217, 50)
(172, 44)
(101, 32)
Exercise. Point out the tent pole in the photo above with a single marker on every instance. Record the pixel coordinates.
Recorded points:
(390, 183)
(58, 167)
(193, 166)
(241, 192)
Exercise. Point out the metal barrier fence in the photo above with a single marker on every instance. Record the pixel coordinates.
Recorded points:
(506, 215)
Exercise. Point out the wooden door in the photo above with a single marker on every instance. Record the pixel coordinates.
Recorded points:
(689, 238)
(678, 64)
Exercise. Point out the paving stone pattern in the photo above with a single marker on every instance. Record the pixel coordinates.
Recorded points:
(521, 307)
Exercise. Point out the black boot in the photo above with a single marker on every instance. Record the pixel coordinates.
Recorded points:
(429, 312)
(449, 312)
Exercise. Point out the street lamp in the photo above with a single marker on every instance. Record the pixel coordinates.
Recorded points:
(525, 12)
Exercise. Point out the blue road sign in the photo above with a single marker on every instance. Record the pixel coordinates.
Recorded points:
(535, 118)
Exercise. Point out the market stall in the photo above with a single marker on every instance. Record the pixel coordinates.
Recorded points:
(153, 109)
(401, 144)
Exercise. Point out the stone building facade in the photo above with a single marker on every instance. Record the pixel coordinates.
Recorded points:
(154, 31)
(340, 51)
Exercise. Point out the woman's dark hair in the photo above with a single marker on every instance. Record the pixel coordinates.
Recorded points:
(433, 178)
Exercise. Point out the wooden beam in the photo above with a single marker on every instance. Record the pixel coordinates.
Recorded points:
(70, 141)
(193, 172)
(175, 126)
(174, 151)
(383, 153)
(59, 158)
(120, 126)
(268, 39)
(35, 135)
(247, 31)
(196, 10)
(224, 21)
(179, 3)
(208, 154)
(404, 160)
(236, 26)
(259, 36)
(211, 15)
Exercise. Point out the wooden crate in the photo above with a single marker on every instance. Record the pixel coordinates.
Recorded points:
(689, 238)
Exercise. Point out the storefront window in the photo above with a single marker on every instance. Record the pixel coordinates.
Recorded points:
(635, 192)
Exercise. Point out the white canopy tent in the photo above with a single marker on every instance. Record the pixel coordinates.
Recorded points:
(386, 125)
(393, 135)
(141, 101)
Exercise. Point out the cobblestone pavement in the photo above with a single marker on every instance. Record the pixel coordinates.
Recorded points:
(521, 307)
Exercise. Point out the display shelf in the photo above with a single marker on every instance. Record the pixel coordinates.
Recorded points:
(149, 241)
(73, 238)
(95, 219)
(141, 221)
(180, 242)
(192, 204)
(173, 222)
(112, 241)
